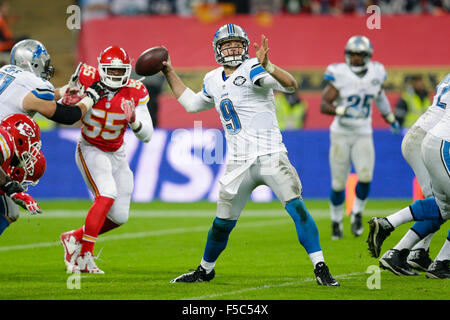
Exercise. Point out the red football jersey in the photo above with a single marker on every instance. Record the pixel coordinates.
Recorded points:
(105, 124)
(7, 150)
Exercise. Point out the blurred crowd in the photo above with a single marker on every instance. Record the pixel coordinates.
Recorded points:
(104, 8)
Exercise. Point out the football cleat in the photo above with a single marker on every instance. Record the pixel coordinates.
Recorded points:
(323, 276)
(198, 275)
(419, 259)
(356, 221)
(379, 230)
(395, 261)
(72, 249)
(85, 264)
(439, 269)
(336, 231)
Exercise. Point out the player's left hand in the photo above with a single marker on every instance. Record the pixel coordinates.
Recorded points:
(129, 109)
(396, 128)
(262, 51)
(26, 201)
(75, 76)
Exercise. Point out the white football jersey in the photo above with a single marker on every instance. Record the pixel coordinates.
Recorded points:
(441, 102)
(437, 109)
(15, 84)
(247, 111)
(357, 92)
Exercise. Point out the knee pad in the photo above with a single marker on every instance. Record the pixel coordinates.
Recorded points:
(362, 190)
(425, 209)
(221, 229)
(425, 227)
(337, 197)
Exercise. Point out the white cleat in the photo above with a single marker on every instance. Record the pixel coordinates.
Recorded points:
(72, 249)
(85, 264)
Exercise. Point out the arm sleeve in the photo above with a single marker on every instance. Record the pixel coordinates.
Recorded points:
(195, 102)
(66, 114)
(382, 103)
(270, 82)
(145, 132)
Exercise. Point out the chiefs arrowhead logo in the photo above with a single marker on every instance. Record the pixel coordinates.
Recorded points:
(26, 130)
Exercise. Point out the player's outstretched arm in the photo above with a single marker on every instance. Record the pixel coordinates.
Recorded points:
(176, 84)
(191, 101)
(61, 113)
(281, 75)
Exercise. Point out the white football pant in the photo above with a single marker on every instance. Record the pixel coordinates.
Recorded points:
(107, 174)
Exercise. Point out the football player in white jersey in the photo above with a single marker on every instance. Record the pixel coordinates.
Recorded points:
(413, 249)
(435, 153)
(352, 87)
(242, 93)
(25, 86)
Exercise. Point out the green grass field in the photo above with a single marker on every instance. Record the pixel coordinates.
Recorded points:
(263, 260)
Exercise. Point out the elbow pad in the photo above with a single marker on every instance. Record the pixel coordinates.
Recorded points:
(66, 114)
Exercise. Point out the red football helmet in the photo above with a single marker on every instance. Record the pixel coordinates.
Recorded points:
(114, 57)
(27, 139)
(21, 176)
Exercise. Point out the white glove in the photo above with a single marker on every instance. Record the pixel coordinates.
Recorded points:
(349, 112)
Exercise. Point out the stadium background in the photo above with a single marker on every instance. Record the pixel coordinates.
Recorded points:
(302, 43)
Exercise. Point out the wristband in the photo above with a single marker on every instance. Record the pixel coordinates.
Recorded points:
(136, 126)
(88, 102)
(270, 67)
(340, 110)
(390, 117)
(63, 90)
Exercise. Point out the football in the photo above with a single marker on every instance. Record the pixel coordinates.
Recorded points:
(150, 61)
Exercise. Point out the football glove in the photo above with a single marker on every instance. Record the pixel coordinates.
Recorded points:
(129, 109)
(96, 91)
(395, 127)
(349, 112)
(27, 202)
(75, 76)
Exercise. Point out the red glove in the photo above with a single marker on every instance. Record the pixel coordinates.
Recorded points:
(129, 109)
(72, 96)
(26, 201)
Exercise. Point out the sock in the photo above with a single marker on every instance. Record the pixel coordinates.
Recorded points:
(424, 243)
(108, 226)
(4, 223)
(408, 240)
(94, 221)
(78, 234)
(444, 254)
(337, 212)
(217, 238)
(400, 217)
(306, 228)
(208, 266)
(316, 257)
(362, 190)
(359, 205)
(337, 199)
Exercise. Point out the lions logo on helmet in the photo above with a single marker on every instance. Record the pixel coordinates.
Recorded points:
(227, 33)
(361, 45)
(31, 55)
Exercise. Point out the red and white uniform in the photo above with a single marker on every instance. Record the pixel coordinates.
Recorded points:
(100, 154)
(105, 125)
(7, 150)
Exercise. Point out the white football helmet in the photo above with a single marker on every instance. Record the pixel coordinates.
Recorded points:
(31, 55)
(358, 44)
(226, 33)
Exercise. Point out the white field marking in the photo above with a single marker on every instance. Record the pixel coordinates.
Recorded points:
(268, 286)
(320, 213)
(135, 235)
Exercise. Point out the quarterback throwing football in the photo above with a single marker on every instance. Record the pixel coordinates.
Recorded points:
(241, 90)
